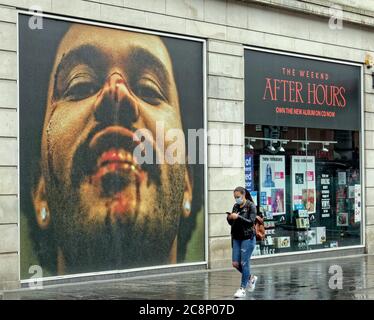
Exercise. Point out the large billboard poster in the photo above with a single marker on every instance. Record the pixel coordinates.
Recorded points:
(98, 108)
(273, 184)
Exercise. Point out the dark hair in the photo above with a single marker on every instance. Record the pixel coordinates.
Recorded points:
(245, 192)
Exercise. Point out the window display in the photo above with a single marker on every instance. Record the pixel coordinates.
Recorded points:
(308, 192)
(303, 149)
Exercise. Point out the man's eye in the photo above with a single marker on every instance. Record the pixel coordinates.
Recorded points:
(81, 90)
(150, 93)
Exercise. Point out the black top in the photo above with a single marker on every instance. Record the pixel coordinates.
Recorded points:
(242, 228)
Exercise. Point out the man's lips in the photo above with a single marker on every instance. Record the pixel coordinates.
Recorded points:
(115, 155)
(112, 151)
(117, 160)
(123, 137)
(107, 160)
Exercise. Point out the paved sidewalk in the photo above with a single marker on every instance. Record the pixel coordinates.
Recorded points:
(302, 280)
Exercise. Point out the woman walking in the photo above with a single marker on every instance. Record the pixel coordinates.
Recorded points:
(243, 237)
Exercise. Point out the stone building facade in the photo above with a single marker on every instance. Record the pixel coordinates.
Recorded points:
(294, 26)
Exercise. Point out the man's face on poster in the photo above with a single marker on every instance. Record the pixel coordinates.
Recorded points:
(105, 208)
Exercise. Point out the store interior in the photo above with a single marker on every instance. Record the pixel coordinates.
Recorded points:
(306, 184)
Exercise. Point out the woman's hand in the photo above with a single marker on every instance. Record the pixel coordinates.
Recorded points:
(234, 216)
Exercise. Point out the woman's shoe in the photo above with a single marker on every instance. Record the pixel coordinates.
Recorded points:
(240, 293)
(252, 284)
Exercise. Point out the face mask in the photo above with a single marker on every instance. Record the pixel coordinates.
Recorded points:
(239, 200)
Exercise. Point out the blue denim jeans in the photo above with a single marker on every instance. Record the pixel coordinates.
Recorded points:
(241, 254)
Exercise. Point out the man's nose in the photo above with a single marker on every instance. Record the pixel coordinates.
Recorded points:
(116, 105)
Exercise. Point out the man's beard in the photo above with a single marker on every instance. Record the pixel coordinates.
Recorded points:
(90, 246)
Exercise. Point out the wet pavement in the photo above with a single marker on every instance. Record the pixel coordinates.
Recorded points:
(301, 280)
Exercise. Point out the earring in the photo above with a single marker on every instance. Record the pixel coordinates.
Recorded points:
(187, 206)
(44, 214)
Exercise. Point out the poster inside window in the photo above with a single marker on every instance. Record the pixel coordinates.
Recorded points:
(272, 185)
(303, 183)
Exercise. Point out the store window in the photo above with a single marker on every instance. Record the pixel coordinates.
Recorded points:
(307, 184)
(302, 157)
